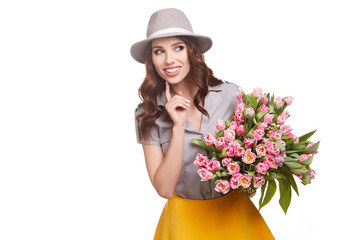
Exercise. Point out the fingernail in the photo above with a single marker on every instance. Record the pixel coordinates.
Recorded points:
(188, 100)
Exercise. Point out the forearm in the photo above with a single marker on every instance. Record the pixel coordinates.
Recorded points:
(168, 173)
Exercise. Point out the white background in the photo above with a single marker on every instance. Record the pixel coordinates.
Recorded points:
(70, 167)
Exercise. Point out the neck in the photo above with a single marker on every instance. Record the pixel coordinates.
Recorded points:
(188, 90)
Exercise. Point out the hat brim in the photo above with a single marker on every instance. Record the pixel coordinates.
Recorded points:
(138, 49)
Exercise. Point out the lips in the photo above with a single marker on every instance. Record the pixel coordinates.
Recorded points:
(172, 71)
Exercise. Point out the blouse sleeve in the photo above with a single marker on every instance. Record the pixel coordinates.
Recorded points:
(154, 138)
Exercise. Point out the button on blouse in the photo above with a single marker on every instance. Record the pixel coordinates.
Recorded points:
(220, 103)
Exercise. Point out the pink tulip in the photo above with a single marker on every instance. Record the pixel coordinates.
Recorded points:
(261, 168)
(233, 125)
(239, 117)
(204, 174)
(239, 151)
(270, 161)
(312, 173)
(257, 92)
(286, 129)
(209, 139)
(264, 108)
(222, 186)
(258, 181)
(289, 100)
(225, 162)
(273, 148)
(260, 150)
(249, 112)
(249, 157)
(220, 125)
(262, 126)
(268, 118)
(213, 165)
(246, 181)
(233, 168)
(240, 107)
(201, 160)
(229, 135)
(240, 130)
(235, 180)
(258, 134)
(249, 142)
(220, 142)
(239, 96)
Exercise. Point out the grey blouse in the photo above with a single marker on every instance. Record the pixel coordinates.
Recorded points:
(220, 103)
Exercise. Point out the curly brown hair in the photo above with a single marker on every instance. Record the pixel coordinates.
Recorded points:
(200, 75)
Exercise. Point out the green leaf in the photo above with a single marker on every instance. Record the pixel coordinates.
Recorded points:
(285, 194)
(259, 115)
(271, 109)
(299, 170)
(293, 165)
(263, 187)
(306, 178)
(312, 149)
(289, 159)
(306, 136)
(295, 155)
(297, 146)
(291, 179)
(282, 148)
(309, 150)
(249, 134)
(260, 102)
(271, 189)
(223, 153)
(253, 102)
(273, 175)
(307, 161)
(201, 143)
(220, 134)
(227, 122)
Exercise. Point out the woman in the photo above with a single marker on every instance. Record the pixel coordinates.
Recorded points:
(182, 100)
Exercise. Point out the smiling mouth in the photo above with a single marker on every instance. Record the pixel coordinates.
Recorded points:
(172, 70)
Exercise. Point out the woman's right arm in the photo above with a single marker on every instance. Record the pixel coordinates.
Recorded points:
(164, 171)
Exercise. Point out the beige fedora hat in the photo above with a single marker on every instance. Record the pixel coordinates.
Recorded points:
(166, 23)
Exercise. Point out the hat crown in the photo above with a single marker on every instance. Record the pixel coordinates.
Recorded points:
(168, 18)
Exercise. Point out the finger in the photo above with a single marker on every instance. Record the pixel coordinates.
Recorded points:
(180, 96)
(178, 102)
(175, 106)
(167, 92)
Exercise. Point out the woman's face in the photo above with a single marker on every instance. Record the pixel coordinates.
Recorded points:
(170, 59)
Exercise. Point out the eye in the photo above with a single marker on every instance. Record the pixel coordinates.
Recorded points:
(158, 51)
(179, 48)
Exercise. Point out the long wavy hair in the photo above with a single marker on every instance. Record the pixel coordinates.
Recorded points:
(200, 75)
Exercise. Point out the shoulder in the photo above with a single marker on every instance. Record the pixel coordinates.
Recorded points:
(226, 88)
(229, 86)
(140, 108)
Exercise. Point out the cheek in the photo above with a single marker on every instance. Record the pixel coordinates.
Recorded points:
(157, 64)
(186, 66)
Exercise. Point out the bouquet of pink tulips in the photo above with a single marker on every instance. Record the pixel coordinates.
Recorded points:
(255, 147)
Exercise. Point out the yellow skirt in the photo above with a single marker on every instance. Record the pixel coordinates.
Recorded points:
(232, 216)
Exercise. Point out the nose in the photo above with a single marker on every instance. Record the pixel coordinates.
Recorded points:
(169, 58)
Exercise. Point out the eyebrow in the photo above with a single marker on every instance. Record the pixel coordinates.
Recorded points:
(177, 43)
